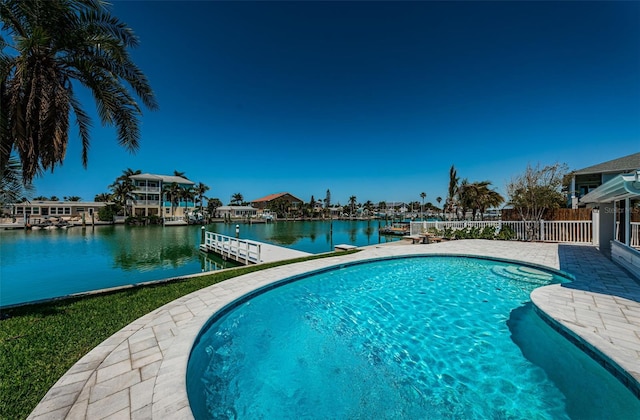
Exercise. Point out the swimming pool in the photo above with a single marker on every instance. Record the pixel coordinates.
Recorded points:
(419, 337)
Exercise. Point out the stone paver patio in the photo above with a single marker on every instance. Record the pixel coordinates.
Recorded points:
(139, 372)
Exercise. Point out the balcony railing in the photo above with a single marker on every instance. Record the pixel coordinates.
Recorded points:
(143, 189)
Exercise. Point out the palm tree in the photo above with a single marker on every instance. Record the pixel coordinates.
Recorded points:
(199, 190)
(173, 192)
(453, 190)
(423, 195)
(102, 197)
(212, 206)
(121, 194)
(237, 199)
(487, 198)
(60, 45)
(368, 206)
(188, 195)
(72, 198)
(180, 174)
(12, 188)
(439, 199)
(127, 173)
(467, 193)
(352, 203)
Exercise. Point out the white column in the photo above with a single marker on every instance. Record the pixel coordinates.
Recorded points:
(627, 221)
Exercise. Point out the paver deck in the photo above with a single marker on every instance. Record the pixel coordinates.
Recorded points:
(139, 372)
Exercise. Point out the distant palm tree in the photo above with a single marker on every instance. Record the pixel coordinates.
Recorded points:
(352, 203)
(368, 206)
(212, 206)
(180, 174)
(200, 190)
(102, 197)
(188, 195)
(423, 195)
(487, 198)
(127, 173)
(60, 45)
(72, 198)
(453, 190)
(467, 194)
(237, 199)
(173, 192)
(121, 194)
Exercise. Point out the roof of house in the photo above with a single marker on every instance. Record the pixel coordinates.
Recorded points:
(623, 164)
(223, 208)
(62, 203)
(272, 197)
(621, 187)
(166, 179)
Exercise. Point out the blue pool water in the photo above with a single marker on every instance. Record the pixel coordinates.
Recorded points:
(409, 338)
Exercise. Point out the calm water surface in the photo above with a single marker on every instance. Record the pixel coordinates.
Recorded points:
(43, 264)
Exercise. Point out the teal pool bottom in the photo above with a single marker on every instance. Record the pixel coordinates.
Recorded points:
(418, 337)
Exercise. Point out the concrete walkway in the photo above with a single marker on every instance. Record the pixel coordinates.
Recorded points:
(139, 372)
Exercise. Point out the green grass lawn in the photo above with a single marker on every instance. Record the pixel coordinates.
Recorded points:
(39, 343)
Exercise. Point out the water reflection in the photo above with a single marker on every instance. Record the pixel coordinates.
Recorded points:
(51, 263)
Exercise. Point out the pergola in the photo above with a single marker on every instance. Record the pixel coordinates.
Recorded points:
(619, 218)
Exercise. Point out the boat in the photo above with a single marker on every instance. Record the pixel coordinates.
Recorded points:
(174, 221)
(397, 229)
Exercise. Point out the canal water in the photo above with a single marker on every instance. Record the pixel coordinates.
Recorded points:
(44, 264)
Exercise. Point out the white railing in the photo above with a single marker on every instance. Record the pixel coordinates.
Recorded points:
(142, 188)
(238, 249)
(145, 203)
(579, 231)
(575, 231)
(634, 235)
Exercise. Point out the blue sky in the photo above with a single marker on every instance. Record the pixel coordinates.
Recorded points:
(372, 99)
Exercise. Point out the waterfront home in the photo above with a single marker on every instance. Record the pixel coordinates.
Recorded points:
(236, 212)
(160, 196)
(266, 202)
(585, 180)
(34, 212)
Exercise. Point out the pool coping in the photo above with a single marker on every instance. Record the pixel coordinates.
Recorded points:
(140, 372)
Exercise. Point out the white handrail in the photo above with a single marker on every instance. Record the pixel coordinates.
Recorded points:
(238, 249)
(575, 231)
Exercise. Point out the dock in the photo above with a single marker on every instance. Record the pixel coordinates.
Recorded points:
(246, 251)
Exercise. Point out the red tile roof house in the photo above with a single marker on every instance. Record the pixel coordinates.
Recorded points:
(265, 202)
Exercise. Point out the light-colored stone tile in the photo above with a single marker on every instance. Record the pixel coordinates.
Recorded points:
(142, 394)
(141, 345)
(150, 370)
(111, 371)
(145, 357)
(104, 389)
(109, 405)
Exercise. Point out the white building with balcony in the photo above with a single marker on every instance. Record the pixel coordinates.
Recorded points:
(161, 195)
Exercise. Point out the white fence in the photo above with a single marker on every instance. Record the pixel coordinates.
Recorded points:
(576, 231)
(634, 234)
(241, 250)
